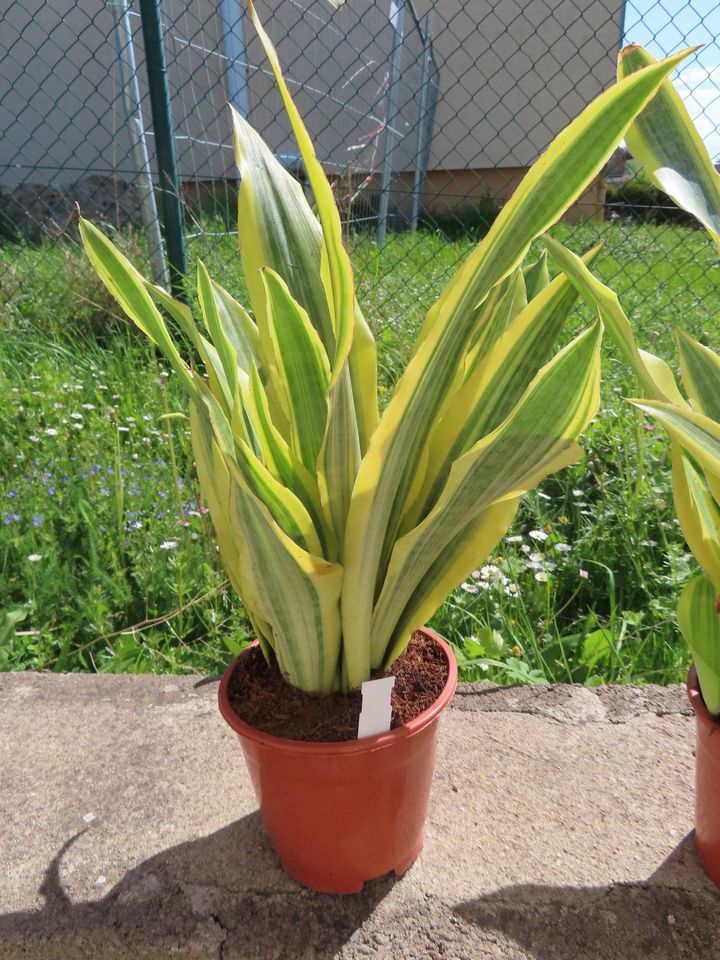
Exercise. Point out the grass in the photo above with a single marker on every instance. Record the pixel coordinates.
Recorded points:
(105, 556)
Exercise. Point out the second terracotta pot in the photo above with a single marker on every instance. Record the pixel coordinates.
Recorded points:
(707, 782)
(339, 814)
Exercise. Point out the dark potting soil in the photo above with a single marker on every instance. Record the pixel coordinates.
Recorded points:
(260, 696)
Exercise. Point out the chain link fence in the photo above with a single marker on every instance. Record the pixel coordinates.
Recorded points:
(424, 115)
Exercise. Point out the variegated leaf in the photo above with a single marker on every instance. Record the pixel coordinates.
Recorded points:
(431, 379)
(697, 434)
(303, 370)
(699, 620)
(666, 142)
(653, 373)
(698, 513)
(700, 369)
(495, 386)
(537, 438)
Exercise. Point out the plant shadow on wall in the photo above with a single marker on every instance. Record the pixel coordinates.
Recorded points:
(222, 889)
(675, 913)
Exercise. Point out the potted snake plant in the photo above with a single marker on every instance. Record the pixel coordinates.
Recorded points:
(665, 141)
(342, 529)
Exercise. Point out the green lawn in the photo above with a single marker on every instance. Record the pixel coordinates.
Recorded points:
(103, 534)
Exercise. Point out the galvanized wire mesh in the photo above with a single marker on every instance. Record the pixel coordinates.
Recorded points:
(424, 115)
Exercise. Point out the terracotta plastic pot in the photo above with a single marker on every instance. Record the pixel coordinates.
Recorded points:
(707, 782)
(339, 814)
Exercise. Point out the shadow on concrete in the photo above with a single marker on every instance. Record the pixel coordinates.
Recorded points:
(225, 890)
(674, 914)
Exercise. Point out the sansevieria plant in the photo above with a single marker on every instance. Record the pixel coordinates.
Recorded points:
(343, 530)
(667, 144)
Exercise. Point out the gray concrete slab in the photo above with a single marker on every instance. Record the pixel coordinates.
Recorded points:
(559, 829)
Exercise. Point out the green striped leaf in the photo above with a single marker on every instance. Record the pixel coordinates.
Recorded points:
(697, 434)
(434, 374)
(666, 142)
(182, 314)
(282, 463)
(278, 230)
(286, 509)
(452, 565)
(238, 327)
(214, 478)
(700, 369)
(537, 276)
(362, 367)
(653, 373)
(496, 385)
(698, 513)
(554, 182)
(221, 342)
(244, 465)
(339, 459)
(699, 621)
(294, 595)
(337, 276)
(352, 409)
(512, 301)
(303, 371)
(128, 287)
(483, 313)
(298, 596)
(536, 439)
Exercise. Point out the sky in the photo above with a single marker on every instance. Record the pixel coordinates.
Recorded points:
(664, 26)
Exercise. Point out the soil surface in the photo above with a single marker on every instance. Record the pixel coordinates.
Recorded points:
(260, 696)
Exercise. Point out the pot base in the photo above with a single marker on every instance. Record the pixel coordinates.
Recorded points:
(345, 884)
(341, 813)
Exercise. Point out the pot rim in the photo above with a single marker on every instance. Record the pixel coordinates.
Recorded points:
(318, 748)
(702, 713)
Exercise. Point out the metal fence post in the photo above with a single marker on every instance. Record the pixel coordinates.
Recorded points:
(236, 53)
(127, 71)
(164, 143)
(423, 128)
(397, 19)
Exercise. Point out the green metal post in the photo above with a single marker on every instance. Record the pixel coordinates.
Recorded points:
(172, 213)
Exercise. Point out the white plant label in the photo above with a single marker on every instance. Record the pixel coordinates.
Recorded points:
(376, 712)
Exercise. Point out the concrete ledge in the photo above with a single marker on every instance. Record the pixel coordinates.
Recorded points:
(559, 830)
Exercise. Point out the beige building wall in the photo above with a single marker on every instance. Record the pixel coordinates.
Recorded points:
(61, 115)
(519, 77)
(458, 191)
(511, 76)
